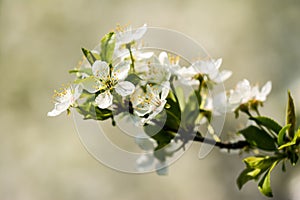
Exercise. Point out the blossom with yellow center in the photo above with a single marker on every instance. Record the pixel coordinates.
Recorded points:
(106, 79)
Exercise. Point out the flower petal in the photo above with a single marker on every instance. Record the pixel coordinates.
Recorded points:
(104, 100)
(163, 58)
(124, 88)
(120, 71)
(223, 76)
(140, 32)
(77, 92)
(101, 70)
(58, 109)
(266, 89)
(91, 84)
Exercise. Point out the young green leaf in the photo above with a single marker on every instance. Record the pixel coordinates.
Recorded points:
(282, 134)
(244, 177)
(268, 123)
(291, 116)
(90, 56)
(258, 138)
(264, 185)
(293, 142)
(107, 47)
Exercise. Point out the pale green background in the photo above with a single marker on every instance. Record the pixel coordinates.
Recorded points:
(42, 158)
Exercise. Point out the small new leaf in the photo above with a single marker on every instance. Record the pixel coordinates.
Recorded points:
(107, 47)
(282, 134)
(264, 185)
(291, 116)
(90, 56)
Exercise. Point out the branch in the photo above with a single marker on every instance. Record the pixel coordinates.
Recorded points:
(222, 145)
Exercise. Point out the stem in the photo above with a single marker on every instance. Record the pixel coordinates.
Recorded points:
(128, 46)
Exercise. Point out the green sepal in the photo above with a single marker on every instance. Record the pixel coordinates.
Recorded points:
(258, 138)
(107, 47)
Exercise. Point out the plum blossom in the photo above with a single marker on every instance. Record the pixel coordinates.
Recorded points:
(151, 102)
(65, 99)
(105, 79)
(155, 69)
(127, 35)
(244, 93)
(207, 68)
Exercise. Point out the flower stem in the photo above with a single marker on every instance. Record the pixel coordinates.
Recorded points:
(128, 46)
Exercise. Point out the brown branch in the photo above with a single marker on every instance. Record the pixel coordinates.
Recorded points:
(222, 145)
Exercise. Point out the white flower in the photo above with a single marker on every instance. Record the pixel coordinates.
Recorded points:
(105, 80)
(152, 102)
(170, 63)
(65, 99)
(154, 69)
(127, 35)
(208, 68)
(217, 104)
(244, 92)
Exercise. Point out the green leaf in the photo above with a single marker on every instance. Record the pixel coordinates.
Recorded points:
(268, 123)
(255, 166)
(164, 133)
(293, 142)
(258, 138)
(291, 116)
(87, 71)
(90, 56)
(264, 185)
(107, 47)
(244, 178)
(90, 111)
(259, 162)
(282, 134)
(191, 112)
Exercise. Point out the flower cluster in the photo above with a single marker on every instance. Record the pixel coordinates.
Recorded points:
(122, 77)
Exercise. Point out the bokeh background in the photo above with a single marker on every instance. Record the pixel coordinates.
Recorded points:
(43, 158)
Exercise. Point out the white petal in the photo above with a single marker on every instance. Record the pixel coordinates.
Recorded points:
(266, 89)
(120, 71)
(218, 63)
(101, 70)
(58, 109)
(235, 97)
(163, 58)
(124, 88)
(165, 90)
(53, 113)
(91, 84)
(104, 100)
(77, 92)
(222, 76)
(140, 32)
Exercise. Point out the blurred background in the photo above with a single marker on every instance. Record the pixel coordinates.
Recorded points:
(43, 158)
